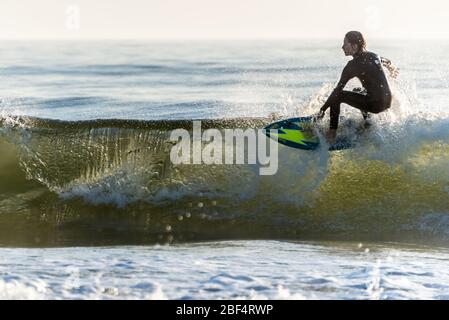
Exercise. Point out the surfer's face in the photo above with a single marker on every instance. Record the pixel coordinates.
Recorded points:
(348, 48)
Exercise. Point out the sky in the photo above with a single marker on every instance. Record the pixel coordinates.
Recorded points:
(222, 19)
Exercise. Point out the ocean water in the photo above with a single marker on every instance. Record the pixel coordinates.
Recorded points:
(92, 207)
(228, 270)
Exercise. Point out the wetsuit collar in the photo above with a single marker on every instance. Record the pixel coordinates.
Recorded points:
(358, 54)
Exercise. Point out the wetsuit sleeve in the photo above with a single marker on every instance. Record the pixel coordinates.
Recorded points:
(346, 75)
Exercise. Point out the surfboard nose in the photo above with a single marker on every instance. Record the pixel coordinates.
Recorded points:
(294, 132)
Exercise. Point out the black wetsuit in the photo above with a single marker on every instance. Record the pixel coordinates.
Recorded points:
(366, 66)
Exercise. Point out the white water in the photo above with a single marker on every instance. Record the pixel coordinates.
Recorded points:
(228, 270)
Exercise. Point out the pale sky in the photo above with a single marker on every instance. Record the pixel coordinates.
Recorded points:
(224, 19)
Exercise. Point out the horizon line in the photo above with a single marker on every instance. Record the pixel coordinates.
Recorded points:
(210, 39)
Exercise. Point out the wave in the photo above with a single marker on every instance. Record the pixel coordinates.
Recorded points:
(168, 68)
(112, 181)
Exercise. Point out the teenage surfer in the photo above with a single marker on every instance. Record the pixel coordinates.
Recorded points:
(367, 67)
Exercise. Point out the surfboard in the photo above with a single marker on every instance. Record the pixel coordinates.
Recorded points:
(301, 133)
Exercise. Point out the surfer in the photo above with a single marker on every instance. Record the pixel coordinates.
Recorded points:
(367, 67)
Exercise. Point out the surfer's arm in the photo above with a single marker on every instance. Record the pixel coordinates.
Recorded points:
(346, 75)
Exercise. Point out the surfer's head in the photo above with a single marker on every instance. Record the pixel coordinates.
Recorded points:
(354, 43)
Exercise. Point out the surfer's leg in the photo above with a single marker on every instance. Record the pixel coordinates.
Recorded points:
(360, 102)
(363, 91)
(353, 99)
(363, 103)
(356, 100)
(335, 114)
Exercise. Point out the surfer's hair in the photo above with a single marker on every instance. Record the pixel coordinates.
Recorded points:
(356, 37)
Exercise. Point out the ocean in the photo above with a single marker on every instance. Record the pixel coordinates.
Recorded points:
(92, 207)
